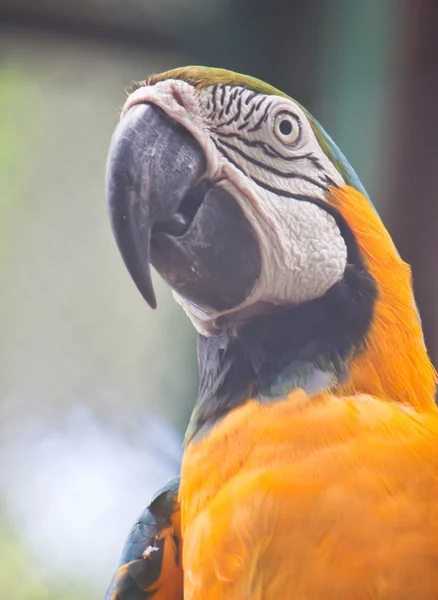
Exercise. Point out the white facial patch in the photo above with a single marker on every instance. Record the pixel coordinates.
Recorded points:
(265, 152)
(302, 248)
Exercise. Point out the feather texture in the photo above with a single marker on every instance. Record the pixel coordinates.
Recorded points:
(321, 497)
(150, 564)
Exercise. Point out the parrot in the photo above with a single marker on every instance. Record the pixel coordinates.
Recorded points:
(310, 463)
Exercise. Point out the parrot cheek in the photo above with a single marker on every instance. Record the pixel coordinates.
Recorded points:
(216, 263)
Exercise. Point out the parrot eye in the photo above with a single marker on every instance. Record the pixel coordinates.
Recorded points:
(287, 128)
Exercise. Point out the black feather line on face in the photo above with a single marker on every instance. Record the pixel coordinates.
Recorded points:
(269, 150)
(260, 122)
(250, 97)
(244, 125)
(223, 92)
(229, 103)
(246, 360)
(249, 113)
(213, 99)
(228, 157)
(270, 169)
(258, 105)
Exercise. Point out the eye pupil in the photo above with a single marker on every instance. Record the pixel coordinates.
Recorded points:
(285, 127)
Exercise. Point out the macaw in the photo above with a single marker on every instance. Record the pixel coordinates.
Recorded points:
(310, 467)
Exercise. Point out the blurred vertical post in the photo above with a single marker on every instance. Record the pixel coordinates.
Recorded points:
(359, 55)
(413, 197)
(277, 41)
(285, 38)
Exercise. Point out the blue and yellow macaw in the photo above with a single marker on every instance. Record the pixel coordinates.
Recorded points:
(310, 467)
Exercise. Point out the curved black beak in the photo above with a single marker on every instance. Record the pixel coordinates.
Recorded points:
(152, 164)
(164, 211)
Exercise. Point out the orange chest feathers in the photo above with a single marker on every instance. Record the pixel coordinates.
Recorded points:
(325, 498)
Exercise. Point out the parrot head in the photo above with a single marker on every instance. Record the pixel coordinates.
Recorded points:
(249, 211)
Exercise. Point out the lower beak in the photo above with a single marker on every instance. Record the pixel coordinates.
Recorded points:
(164, 211)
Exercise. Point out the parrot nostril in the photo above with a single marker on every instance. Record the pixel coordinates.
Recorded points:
(177, 97)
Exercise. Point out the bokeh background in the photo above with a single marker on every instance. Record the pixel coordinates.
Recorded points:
(95, 389)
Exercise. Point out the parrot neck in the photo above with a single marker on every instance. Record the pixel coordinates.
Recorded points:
(395, 364)
(363, 336)
(308, 346)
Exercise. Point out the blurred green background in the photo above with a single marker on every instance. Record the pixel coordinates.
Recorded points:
(96, 389)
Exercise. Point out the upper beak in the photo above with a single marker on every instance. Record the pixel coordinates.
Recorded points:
(164, 211)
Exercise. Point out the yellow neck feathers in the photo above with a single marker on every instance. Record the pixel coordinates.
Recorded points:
(395, 365)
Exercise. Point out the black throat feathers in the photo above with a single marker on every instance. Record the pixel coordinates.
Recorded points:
(305, 346)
